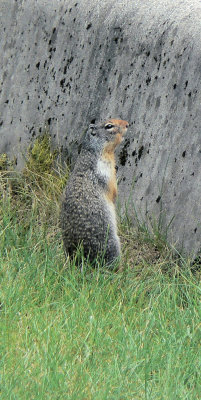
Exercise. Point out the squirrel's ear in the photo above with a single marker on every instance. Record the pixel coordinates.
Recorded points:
(92, 129)
(91, 126)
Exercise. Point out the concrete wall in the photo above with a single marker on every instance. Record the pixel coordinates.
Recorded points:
(65, 63)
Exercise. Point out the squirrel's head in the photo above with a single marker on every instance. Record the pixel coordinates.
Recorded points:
(107, 135)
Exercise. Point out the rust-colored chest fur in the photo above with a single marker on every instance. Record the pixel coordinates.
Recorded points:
(108, 159)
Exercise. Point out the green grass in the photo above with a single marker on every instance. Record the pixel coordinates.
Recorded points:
(92, 334)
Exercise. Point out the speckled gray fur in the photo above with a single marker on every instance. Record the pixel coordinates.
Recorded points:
(85, 218)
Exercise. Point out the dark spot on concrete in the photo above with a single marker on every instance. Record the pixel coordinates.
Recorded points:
(174, 86)
(38, 65)
(134, 153)
(1, 122)
(184, 153)
(68, 62)
(62, 82)
(195, 230)
(158, 199)
(124, 153)
(186, 84)
(89, 26)
(189, 94)
(140, 152)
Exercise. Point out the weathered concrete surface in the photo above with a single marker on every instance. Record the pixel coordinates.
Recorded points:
(65, 63)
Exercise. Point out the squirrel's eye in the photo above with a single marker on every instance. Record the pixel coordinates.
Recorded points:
(109, 126)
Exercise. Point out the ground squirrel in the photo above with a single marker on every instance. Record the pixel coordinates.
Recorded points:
(88, 208)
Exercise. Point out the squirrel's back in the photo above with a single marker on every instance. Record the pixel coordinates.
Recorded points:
(88, 214)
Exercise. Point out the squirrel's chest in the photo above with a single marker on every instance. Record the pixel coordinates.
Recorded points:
(107, 175)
